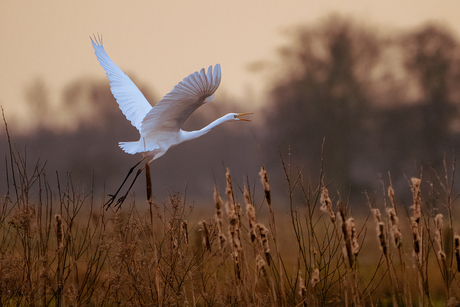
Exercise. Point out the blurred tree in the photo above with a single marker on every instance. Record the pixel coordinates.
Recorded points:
(321, 96)
(431, 56)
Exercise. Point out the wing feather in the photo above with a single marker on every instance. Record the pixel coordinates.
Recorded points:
(130, 99)
(170, 113)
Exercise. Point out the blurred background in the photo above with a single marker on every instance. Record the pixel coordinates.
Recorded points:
(377, 81)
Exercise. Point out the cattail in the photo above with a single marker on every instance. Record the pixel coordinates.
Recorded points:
(381, 236)
(352, 234)
(457, 251)
(264, 178)
(416, 238)
(185, 232)
(315, 277)
(262, 232)
(437, 236)
(219, 219)
(59, 231)
(326, 204)
(251, 215)
(391, 194)
(260, 263)
(229, 191)
(302, 289)
(205, 234)
(395, 231)
(416, 196)
(233, 226)
(377, 215)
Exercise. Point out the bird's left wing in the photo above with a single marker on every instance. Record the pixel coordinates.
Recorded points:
(170, 113)
(130, 99)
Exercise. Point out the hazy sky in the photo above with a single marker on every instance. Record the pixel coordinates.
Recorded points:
(161, 42)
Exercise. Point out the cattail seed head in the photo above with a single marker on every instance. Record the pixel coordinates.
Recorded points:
(302, 288)
(59, 231)
(416, 237)
(251, 215)
(377, 215)
(263, 232)
(437, 236)
(326, 204)
(315, 277)
(391, 194)
(351, 230)
(381, 236)
(395, 231)
(184, 231)
(457, 251)
(417, 199)
(205, 234)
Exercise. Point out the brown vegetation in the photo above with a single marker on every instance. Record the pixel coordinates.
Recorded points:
(61, 248)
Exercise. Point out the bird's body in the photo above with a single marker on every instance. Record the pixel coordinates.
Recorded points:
(160, 126)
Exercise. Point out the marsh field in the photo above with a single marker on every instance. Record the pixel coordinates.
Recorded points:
(60, 247)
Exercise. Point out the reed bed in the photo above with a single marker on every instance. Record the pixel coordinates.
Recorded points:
(59, 247)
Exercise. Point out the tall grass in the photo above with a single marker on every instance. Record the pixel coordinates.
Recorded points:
(58, 246)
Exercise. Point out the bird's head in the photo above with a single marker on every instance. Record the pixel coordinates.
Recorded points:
(238, 116)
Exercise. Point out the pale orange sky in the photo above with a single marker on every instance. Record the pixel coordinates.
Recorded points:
(161, 42)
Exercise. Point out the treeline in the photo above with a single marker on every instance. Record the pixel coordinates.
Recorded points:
(379, 102)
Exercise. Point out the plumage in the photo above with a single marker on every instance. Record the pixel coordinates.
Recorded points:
(160, 126)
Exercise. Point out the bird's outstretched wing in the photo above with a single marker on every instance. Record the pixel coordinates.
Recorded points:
(130, 99)
(170, 113)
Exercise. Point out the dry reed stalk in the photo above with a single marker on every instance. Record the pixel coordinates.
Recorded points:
(381, 235)
(59, 270)
(266, 184)
(233, 225)
(397, 241)
(352, 279)
(417, 232)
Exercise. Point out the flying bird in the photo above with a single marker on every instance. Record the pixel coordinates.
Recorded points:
(160, 126)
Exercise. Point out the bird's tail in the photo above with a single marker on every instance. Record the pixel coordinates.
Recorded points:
(132, 147)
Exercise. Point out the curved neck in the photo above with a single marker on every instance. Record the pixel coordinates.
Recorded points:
(190, 135)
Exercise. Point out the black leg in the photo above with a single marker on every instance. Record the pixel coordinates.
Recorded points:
(114, 196)
(148, 181)
(122, 199)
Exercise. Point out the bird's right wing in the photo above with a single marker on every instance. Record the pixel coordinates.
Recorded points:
(170, 113)
(130, 99)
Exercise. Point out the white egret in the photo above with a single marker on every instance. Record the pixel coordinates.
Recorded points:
(160, 126)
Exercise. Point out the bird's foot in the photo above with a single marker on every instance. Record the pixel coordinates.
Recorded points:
(109, 202)
(120, 202)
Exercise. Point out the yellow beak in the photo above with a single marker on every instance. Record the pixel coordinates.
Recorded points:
(244, 119)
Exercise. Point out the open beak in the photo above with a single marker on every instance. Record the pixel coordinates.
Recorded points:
(244, 119)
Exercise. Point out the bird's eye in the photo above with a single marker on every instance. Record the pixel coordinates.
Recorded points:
(235, 116)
